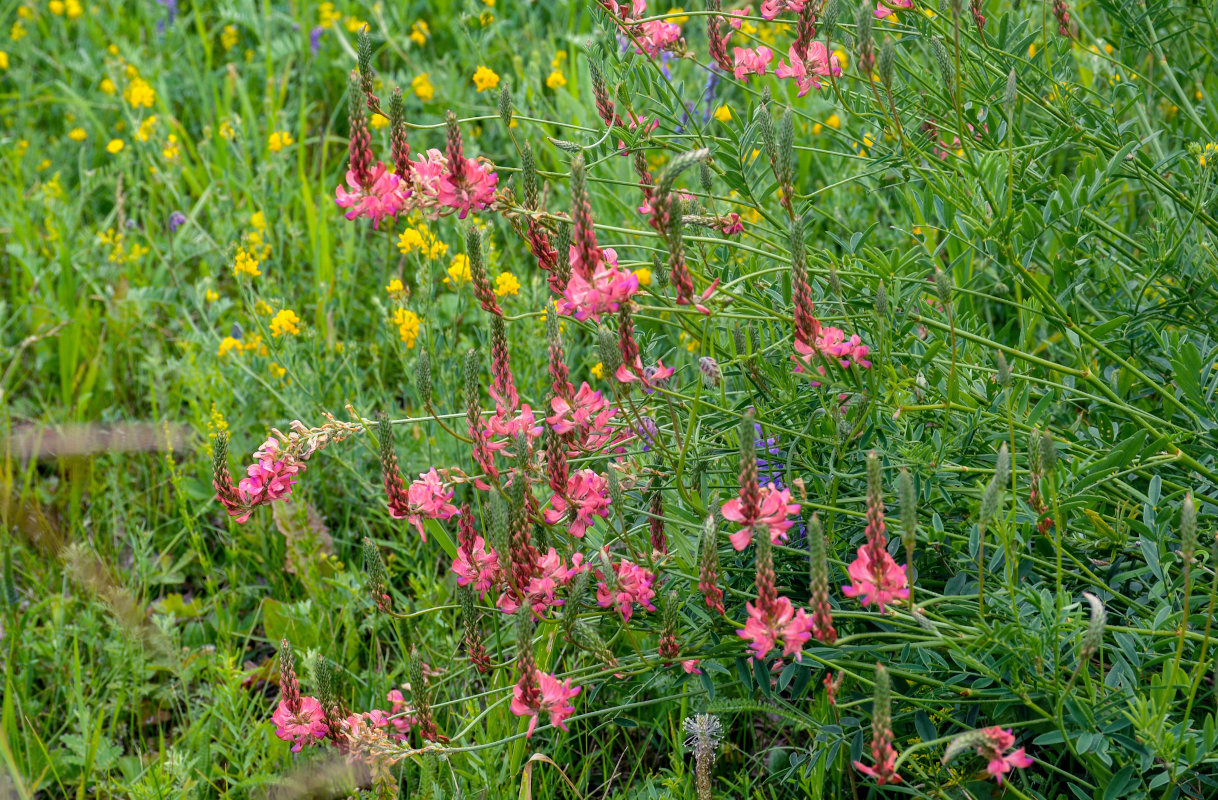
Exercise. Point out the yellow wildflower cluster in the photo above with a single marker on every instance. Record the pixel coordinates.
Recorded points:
(598, 370)
(485, 78)
(458, 270)
(644, 276)
(139, 93)
(285, 322)
(115, 146)
(246, 344)
(245, 264)
(216, 423)
(355, 24)
(422, 88)
(115, 241)
(419, 32)
(327, 15)
(147, 126)
(506, 283)
(72, 9)
(279, 140)
(1207, 152)
(421, 240)
(229, 37)
(408, 325)
(276, 370)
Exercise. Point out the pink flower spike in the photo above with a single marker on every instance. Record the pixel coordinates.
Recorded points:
(467, 187)
(480, 567)
(633, 585)
(555, 697)
(750, 62)
(776, 508)
(303, 728)
(379, 199)
(428, 497)
(587, 496)
(880, 582)
(781, 622)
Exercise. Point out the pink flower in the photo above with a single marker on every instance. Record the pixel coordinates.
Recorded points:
(401, 715)
(738, 15)
(587, 496)
(993, 747)
(772, 8)
(468, 187)
(373, 719)
(691, 666)
(480, 567)
(304, 727)
(427, 497)
(885, 8)
(885, 770)
(551, 575)
(648, 375)
(379, 199)
(766, 627)
(751, 62)
(831, 343)
(632, 585)
(776, 507)
(656, 35)
(805, 70)
(587, 411)
(731, 224)
(554, 698)
(424, 181)
(508, 428)
(268, 478)
(602, 293)
(880, 582)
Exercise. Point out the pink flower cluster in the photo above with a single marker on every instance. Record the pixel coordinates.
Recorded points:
(586, 497)
(552, 573)
(805, 69)
(776, 508)
(876, 580)
(631, 584)
(426, 498)
(269, 478)
(747, 61)
(479, 566)
(304, 726)
(432, 186)
(766, 627)
(993, 749)
(554, 698)
(831, 343)
(599, 288)
(584, 419)
(886, 8)
(770, 9)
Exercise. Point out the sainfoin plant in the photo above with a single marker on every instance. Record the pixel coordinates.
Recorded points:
(826, 497)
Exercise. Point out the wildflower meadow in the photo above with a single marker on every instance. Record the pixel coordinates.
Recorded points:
(597, 399)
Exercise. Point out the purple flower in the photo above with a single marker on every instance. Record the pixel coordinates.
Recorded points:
(647, 432)
(172, 7)
(176, 220)
(315, 38)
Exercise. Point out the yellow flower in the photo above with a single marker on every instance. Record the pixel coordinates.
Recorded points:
(245, 264)
(263, 308)
(139, 93)
(486, 18)
(78, 134)
(3, 60)
(458, 270)
(395, 286)
(1032, 50)
(137, 252)
(834, 122)
(107, 86)
(279, 140)
(227, 345)
(378, 121)
(354, 24)
(598, 370)
(116, 146)
(817, 128)
(144, 131)
(327, 16)
(56, 7)
(421, 85)
(559, 59)
(17, 32)
(285, 321)
(211, 296)
(75, 9)
(44, 164)
(258, 221)
(681, 20)
(276, 370)
(723, 113)
(485, 78)
(419, 32)
(644, 276)
(408, 325)
(229, 38)
(217, 424)
(489, 3)
(555, 80)
(930, 13)
(226, 130)
(1197, 94)
(505, 284)
(25, 12)
(842, 61)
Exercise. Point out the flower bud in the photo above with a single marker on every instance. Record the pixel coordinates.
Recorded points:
(505, 104)
(367, 76)
(786, 153)
(477, 270)
(886, 62)
(1004, 371)
(1048, 452)
(1093, 639)
(528, 171)
(378, 578)
(881, 300)
(1188, 528)
(1012, 92)
(420, 697)
(822, 618)
(943, 285)
(399, 143)
(706, 177)
(289, 686)
(606, 343)
(908, 498)
(947, 72)
(422, 377)
(562, 265)
(708, 560)
(711, 373)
